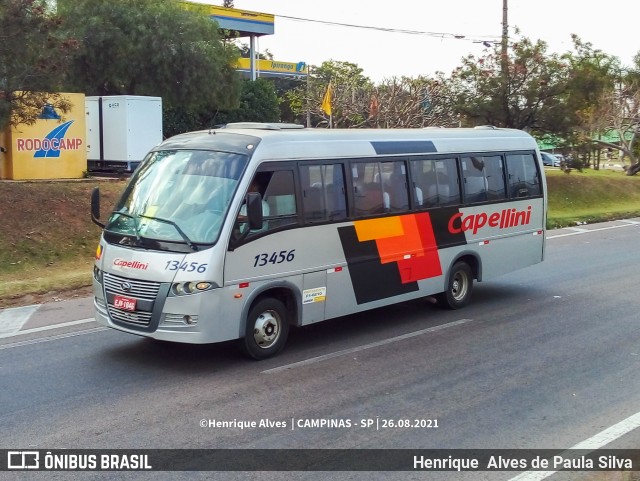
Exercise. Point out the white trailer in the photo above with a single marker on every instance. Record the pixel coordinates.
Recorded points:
(121, 129)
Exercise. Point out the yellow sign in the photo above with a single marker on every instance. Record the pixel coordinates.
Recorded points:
(274, 67)
(244, 21)
(51, 148)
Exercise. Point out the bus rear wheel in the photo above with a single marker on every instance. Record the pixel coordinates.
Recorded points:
(267, 329)
(459, 287)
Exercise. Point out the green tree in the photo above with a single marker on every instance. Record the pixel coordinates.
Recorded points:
(151, 47)
(535, 89)
(283, 86)
(33, 57)
(177, 120)
(619, 111)
(258, 103)
(592, 74)
(350, 99)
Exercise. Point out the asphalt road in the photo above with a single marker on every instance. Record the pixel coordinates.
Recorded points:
(546, 357)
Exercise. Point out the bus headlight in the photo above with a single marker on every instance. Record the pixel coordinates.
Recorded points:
(97, 274)
(191, 287)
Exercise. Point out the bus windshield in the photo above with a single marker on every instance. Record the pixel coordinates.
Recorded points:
(178, 196)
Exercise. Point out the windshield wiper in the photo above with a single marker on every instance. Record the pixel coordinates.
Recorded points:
(136, 226)
(177, 227)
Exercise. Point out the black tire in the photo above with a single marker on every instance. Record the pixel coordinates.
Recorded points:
(459, 287)
(267, 329)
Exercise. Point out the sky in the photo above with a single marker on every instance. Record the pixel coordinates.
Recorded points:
(610, 26)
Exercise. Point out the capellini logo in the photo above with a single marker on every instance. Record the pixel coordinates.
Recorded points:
(130, 264)
(52, 144)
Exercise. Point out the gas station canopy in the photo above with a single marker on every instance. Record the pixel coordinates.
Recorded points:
(252, 25)
(247, 23)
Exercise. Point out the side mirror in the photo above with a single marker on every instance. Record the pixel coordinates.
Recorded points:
(254, 210)
(95, 207)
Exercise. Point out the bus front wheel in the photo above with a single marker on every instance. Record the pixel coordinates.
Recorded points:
(267, 329)
(459, 287)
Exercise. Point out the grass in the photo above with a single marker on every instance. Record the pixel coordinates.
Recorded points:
(591, 196)
(47, 240)
(60, 276)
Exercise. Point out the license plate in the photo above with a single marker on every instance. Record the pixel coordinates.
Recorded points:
(124, 303)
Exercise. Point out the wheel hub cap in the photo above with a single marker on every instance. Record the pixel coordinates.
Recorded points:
(266, 329)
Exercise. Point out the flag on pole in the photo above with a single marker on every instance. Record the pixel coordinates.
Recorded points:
(326, 101)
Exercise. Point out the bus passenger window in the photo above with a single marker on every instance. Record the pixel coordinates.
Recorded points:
(494, 172)
(394, 176)
(367, 189)
(323, 193)
(483, 178)
(380, 187)
(524, 180)
(475, 187)
(435, 182)
(424, 183)
(281, 194)
(448, 185)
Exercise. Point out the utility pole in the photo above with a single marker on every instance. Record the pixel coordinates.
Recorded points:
(308, 98)
(504, 64)
(505, 33)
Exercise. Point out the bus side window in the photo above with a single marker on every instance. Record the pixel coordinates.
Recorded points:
(369, 197)
(394, 176)
(448, 185)
(280, 196)
(483, 178)
(323, 192)
(475, 187)
(334, 190)
(494, 173)
(424, 183)
(380, 187)
(524, 180)
(435, 182)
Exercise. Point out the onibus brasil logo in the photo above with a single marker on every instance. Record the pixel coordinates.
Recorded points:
(52, 144)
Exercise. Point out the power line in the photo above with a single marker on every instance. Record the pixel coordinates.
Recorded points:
(476, 38)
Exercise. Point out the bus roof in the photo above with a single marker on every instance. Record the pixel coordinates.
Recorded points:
(290, 141)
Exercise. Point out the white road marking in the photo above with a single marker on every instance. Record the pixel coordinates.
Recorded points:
(598, 229)
(12, 319)
(46, 328)
(365, 346)
(52, 338)
(594, 442)
(577, 229)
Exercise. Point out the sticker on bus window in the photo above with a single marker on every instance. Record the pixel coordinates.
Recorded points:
(318, 294)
